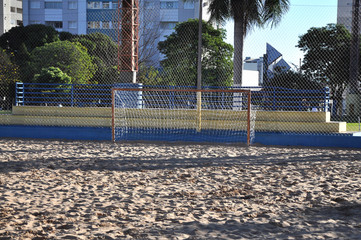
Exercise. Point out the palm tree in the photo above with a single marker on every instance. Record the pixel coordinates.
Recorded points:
(355, 44)
(246, 15)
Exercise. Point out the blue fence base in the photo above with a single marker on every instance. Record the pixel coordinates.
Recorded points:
(104, 134)
(184, 135)
(309, 140)
(54, 132)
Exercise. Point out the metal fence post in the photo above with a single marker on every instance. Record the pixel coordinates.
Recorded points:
(274, 98)
(172, 98)
(19, 94)
(72, 95)
(326, 99)
(140, 103)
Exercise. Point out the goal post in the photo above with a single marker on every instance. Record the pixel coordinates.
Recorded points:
(182, 115)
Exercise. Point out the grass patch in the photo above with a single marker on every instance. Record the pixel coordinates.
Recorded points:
(352, 127)
(5, 112)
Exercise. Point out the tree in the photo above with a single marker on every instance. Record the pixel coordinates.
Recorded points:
(28, 37)
(246, 14)
(63, 36)
(52, 75)
(99, 45)
(104, 53)
(293, 80)
(71, 58)
(180, 51)
(9, 74)
(307, 91)
(150, 32)
(150, 76)
(327, 57)
(19, 41)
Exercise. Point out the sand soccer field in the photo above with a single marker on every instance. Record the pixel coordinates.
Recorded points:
(100, 190)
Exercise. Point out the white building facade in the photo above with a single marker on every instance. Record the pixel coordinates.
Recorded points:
(157, 17)
(258, 70)
(11, 14)
(344, 13)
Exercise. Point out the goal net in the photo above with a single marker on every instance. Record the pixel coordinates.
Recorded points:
(182, 115)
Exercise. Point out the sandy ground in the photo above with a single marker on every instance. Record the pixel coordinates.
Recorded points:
(101, 190)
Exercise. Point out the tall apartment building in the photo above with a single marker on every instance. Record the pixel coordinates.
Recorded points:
(157, 17)
(11, 14)
(67, 15)
(344, 13)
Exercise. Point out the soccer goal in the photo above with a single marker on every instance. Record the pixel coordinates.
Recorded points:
(207, 115)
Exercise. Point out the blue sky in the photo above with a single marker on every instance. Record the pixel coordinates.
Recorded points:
(302, 15)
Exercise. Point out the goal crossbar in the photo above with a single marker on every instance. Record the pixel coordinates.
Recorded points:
(197, 107)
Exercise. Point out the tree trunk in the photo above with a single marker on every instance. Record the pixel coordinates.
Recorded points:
(238, 50)
(355, 43)
(337, 97)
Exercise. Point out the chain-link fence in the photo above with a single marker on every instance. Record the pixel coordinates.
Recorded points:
(75, 64)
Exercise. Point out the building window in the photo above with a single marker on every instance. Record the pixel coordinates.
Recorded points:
(72, 24)
(106, 5)
(94, 5)
(189, 5)
(73, 5)
(35, 4)
(19, 10)
(94, 24)
(54, 24)
(167, 25)
(114, 5)
(105, 25)
(168, 5)
(35, 22)
(115, 24)
(53, 5)
(12, 9)
(19, 22)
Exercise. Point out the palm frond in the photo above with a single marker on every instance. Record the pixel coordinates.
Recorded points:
(220, 10)
(252, 11)
(273, 11)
